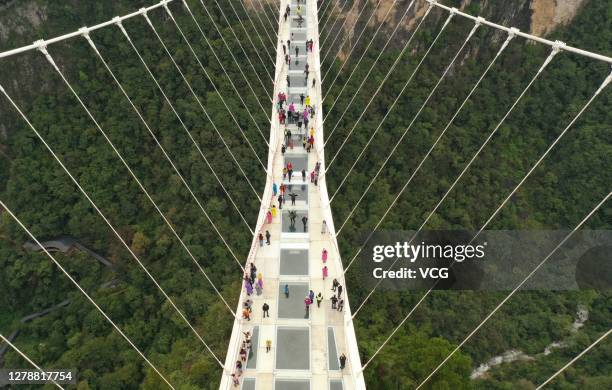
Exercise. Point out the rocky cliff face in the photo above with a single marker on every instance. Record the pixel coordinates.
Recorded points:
(539, 17)
(548, 14)
(16, 17)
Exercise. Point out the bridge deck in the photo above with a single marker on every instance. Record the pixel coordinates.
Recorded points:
(305, 345)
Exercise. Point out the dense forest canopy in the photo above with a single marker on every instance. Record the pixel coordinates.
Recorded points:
(569, 182)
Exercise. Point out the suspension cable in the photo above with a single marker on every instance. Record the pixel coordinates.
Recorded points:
(150, 73)
(384, 80)
(127, 166)
(242, 47)
(363, 53)
(350, 53)
(497, 307)
(502, 48)
(23, 355)
(146, 124)
(257, 30)
(339, 31)
(50, 41)
(587, 104)
(364, 79)
(348, 57)
(603, 85)
(587, 349)
(274, 16)
(552, 54)
(263, 11)
(341, 8)
(93, 204)
(270, 40)
(325, 16)
(544, 65)
(423, 105)
(229, 49)
(249, 36)
(195, 143)
(336, 20)
(226, 75)
(273, 12)
(515, 290)
(210, 46)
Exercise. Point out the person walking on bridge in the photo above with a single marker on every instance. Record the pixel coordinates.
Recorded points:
(293, 196)
(307, 303)
(335, 284)
(292, 217)
(305, 222)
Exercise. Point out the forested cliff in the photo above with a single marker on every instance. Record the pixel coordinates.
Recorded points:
(561, 191)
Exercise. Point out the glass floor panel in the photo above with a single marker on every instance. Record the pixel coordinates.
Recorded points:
(334, 363)
(252, 359)
(295, 22)
(292, 349)
(297, 226)
(296, 79)
(293, 262)
(293, 306)
(299, 64)
(299, 35)
(248, 384)
(292, 384)
(299, 162)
